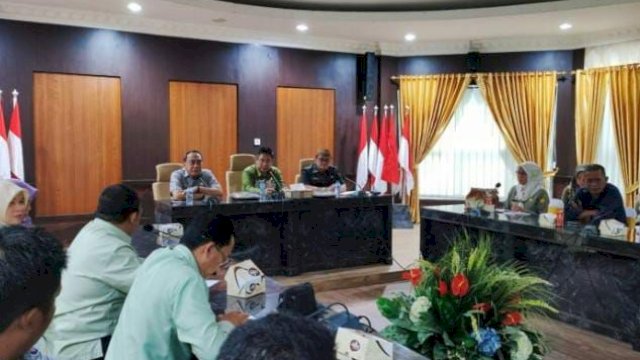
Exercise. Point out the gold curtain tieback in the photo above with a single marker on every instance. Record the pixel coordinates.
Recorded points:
(633, 188)
(551, 172)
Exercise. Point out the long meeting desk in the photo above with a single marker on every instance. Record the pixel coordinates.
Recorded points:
(293, 236)
(596, 280)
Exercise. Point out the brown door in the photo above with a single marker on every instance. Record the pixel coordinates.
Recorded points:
(204, 117)
(306, 120)
(78, 141)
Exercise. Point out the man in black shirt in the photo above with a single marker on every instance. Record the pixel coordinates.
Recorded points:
(597, 201)
(321, 175)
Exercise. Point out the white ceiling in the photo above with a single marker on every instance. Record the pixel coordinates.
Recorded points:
(492, 29)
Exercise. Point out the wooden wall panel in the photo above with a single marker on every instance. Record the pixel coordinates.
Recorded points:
(204, 117)
(78, 141)
(306, 122)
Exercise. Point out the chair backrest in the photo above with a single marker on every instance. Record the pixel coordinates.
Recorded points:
(238, 162)
(163, 176)
(233, 176)
(164, 170)
(303, 164)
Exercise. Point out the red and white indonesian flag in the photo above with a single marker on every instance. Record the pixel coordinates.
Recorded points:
(375, 156)
(362, 173)
(404, 155)
(379, 184)
(15, 141)
(5, 160)
(391, 168)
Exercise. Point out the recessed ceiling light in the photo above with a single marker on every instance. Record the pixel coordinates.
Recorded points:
(134, 7)
(565, 26)
(302, 27)
(410, 37)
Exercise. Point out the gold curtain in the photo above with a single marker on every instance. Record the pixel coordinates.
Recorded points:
(523, 106)
(591, 88)
(625, 99)
(432, 99)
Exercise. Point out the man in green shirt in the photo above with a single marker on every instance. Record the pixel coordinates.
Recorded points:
(262, 171)
(167, 314)
(101, 268)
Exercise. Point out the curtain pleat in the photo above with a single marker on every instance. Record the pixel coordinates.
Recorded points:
(625, 99)
(591, 88)
(432, 100)
(522, 105)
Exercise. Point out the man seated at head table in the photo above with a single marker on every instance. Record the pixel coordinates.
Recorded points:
(262, 170)
(279, 337)
(193, 178)
(321, 175)
(167, 314)
(31, 263)
(598, 201)
(102, 266)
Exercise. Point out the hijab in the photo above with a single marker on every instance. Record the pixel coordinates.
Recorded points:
(535, 181)
(8, 192)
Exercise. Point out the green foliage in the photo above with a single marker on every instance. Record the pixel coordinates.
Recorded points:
(449, 327)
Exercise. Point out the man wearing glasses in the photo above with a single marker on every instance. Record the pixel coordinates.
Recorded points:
(193, 178)
(321, 174)
(167, 314)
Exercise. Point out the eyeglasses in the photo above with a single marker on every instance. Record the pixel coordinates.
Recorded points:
(194, 161)
(226, 262)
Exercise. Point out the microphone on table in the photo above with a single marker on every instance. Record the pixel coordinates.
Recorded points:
(359, 189)
(151, 229)
(278, 183)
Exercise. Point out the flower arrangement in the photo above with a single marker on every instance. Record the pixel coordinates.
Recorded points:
(466, 306)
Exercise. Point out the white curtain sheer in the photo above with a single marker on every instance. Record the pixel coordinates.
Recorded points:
(606, 152)
(470, 153)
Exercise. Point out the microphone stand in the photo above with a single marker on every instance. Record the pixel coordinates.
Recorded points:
(360, 192)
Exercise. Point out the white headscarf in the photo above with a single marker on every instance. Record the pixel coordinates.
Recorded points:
(535, 181)
(8, 191)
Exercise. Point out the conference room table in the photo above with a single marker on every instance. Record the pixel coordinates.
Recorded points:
(294, 236)
(596, 279)
(257, 306)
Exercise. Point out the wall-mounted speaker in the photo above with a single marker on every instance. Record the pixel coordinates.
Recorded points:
(473, 62)
(367, 79)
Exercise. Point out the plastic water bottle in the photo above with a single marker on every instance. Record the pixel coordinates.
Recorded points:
(189, 197)
(262, 185)
(336, 189)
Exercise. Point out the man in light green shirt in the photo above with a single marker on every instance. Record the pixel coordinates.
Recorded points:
(167, 314)
(101, 268)
(262, 170)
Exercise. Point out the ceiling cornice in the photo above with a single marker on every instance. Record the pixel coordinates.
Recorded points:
(136, 24)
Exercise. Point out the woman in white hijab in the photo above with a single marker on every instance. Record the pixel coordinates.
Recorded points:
(529, 194)
(14, 203)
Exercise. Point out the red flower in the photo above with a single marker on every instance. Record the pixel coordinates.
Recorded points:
(442, 288)
(512, 319)
(459, 285)
(484, 307)
(414, 275)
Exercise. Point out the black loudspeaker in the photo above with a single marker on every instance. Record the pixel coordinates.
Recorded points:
(473, 62)
(367, 73)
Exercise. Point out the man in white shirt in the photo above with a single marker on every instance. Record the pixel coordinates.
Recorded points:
(194, 178)
(102, 265)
